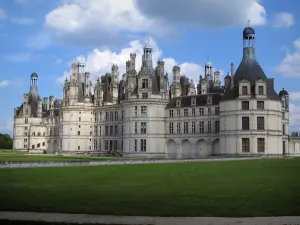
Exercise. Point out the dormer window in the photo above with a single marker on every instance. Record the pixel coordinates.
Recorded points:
(209, 100)
(245, 90)
(178, 103)
(145, 83)
(193, 101)
(261, 90)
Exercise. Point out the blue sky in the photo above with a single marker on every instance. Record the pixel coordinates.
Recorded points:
(46, 36)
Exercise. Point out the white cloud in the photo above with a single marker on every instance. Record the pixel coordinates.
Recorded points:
(4, 83)
(284, 20)
(204, 13)
(104, 22)
(58, 61)
(2, 14)
(295, 96)
(18, 57)
(99, 61)
(23, 21)
(290, 66)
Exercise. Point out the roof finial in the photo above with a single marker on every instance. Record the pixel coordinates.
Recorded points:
(248, 23)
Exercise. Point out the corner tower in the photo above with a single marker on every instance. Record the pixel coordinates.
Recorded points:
(250, 110)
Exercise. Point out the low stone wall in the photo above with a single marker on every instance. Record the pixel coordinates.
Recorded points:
(119, 162)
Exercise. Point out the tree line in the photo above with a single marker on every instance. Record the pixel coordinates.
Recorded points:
(6, 142)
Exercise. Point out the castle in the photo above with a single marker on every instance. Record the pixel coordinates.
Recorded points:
(143, 115)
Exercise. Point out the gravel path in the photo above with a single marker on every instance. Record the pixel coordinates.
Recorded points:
(121, 162)
(139, 220)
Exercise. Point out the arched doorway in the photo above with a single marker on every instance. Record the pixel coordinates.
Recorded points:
(201, 148)
(171, 149)
(49, 146)
(216, 147)
(186, 149)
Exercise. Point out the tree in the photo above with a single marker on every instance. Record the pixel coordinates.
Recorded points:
(6, 141)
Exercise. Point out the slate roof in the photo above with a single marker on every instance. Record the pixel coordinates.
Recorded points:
(201, 100)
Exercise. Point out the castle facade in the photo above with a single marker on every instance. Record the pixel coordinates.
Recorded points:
(143, 115)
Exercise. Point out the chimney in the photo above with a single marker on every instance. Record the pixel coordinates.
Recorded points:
(45, 104)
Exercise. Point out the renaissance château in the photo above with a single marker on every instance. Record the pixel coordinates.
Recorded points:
(143, 115)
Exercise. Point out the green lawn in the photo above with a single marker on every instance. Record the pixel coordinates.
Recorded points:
(10, 156)
(16, 222)
(266, 187)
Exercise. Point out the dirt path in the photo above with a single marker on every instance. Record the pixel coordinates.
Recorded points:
(140, 220)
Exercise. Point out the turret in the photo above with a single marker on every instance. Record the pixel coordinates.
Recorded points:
(284, 96)
(176, 89)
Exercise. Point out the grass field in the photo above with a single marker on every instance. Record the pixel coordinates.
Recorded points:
(266, 187)
(10, 156)
(14, 222)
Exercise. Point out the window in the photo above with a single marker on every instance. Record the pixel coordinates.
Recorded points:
(26, 111)
(33, 133)
(209, 111)
(193, 112)
(106, 116)
(171, 128)
(171, 113)
(245, 145)
(39, 133)
(178, 128)
(260, 145)
(145, 95)
(79, 126)
(32, 146)
(144, 110)
(217, 127)
(283, 129)
(100, 130)
(78, 147)
(26, 120)
(143, 128)
(106, 131)
(106, 145)
(193, 127)
(244, 90)
(185, 112)
(245, 105)
(217, 110)
(145, 83)
(79, 118)
(43, 143)
(96, 131)
(38, 145)
(283, 115)
(186, 127)
(116, 130)
(260, 123)
(135, 145)
(78, 132)
(260, 90)
(116, 116)
(245, 123)
(178, 112)
(143, 145)
(122, 130)
(201, 127)
(201, 111)
(135, 111)
(122, 114)
(209, 127)
(135, 127)
(111, 116)
(111, 129)
(95, 145)
(260, 105)
(178, 103)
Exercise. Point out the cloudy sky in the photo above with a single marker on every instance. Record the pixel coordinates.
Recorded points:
(46, 36)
